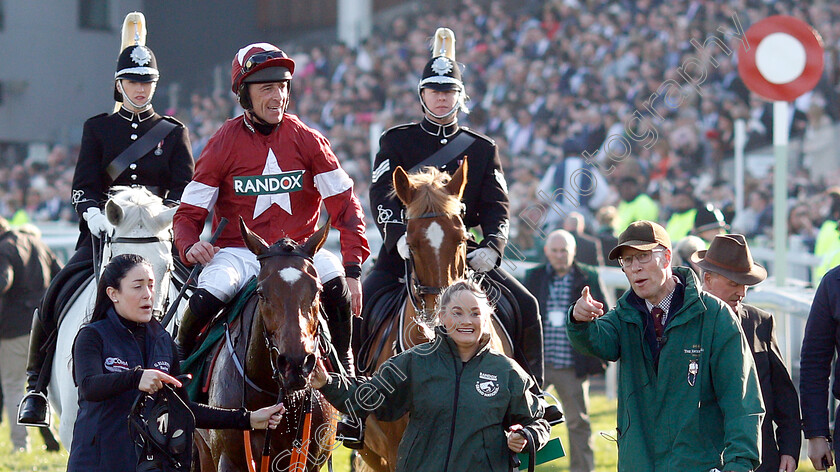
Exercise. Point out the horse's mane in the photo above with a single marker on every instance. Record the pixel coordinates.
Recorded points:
(431, 195)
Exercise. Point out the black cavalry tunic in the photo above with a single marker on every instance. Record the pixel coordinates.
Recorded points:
(485, 195)
(165, 170)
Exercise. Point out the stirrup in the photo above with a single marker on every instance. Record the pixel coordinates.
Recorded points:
(47, 417)
(553, 413)
(350, 434)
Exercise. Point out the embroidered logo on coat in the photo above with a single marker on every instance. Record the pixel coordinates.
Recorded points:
(162, 365)
(487, 385)
(115, 364)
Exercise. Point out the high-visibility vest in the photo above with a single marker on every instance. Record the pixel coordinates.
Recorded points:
(641, 208)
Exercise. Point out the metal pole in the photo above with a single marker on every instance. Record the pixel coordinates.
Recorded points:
(740, 144)
(780, 145)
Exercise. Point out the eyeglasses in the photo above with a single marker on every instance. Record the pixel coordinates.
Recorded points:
(642, 258)
(260, 58)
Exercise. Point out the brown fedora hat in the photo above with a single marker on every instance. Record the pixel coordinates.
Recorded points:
(729, 256)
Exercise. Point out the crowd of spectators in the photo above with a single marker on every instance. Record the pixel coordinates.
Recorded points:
(550, 80)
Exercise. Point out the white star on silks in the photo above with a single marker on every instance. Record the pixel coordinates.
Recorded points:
(280, 199)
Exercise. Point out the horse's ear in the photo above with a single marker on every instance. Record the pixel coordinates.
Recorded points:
(164, 218)
(318, 239)
(256, 244)
(402, 187)
(459, 181)
(113, 212)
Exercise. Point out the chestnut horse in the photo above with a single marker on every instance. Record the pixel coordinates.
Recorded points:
(267, 354)
(437, 239)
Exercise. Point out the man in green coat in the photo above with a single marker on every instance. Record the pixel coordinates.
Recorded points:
(688, 392)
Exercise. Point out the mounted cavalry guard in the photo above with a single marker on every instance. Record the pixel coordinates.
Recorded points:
(438, 141)
(133, 147)
(273, 171)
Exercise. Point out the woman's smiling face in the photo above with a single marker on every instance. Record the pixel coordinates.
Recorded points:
(465, 319)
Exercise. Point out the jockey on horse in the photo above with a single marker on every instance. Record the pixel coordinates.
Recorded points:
(274, 171)
(133, 147)
(438, 141)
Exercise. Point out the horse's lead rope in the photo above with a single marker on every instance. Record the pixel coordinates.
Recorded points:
(192, 277)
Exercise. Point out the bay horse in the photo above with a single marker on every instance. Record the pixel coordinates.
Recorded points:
(142, 225)
(267, 355)
(437, 240)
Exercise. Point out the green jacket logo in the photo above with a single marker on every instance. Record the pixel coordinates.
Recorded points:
(253, 185)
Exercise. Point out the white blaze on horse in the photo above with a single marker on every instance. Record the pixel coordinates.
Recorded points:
(142, 225)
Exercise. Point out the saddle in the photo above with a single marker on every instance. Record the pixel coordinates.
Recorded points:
(64, 290)
(377, 314)
(199, 363)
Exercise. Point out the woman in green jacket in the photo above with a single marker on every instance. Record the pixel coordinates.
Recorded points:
(465, 400)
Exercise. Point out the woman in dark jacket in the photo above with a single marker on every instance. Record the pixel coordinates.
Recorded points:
(121, 353)
(465, 400)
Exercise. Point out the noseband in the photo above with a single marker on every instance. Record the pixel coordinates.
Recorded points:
(139, 240)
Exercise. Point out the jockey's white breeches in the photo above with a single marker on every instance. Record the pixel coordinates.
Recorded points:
(232, 267)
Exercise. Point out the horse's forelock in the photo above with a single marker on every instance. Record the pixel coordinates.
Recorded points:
(140, 207)
(431, 195)
(286, 245)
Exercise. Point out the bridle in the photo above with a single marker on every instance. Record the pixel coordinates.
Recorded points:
(277, 374)
(274, 352)
(415, 289)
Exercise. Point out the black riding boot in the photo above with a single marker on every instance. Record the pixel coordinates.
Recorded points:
(203, 306)
(33, 408)
(338, 307)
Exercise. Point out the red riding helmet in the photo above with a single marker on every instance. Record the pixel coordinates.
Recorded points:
(260, 62)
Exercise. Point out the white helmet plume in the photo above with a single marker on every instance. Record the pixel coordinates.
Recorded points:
(444, 44)
(133, 30)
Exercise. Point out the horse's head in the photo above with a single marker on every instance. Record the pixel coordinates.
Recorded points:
(288, 288)
(142, 226)
(435, 232)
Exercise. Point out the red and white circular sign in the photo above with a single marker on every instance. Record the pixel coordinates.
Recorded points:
(785, 58)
